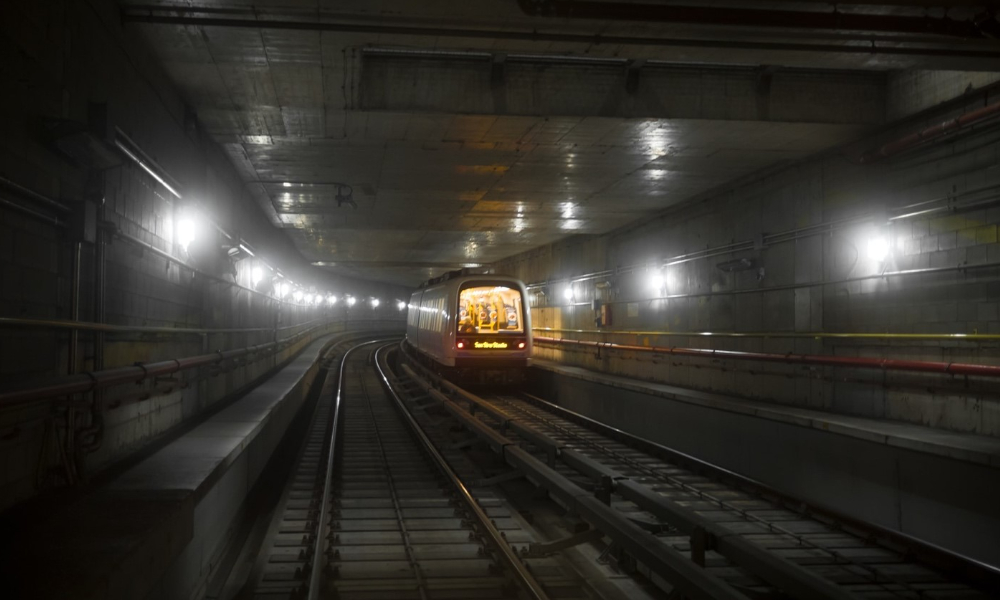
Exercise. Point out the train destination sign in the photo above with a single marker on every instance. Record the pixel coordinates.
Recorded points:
(490, 345)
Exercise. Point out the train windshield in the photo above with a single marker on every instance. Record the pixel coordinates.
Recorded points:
(490, 309)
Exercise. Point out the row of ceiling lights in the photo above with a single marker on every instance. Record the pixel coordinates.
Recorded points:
(191, 224)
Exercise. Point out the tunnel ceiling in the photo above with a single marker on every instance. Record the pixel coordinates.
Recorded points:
(468, 132)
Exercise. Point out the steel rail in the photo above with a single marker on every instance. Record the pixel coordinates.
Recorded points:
(968, 570)
(318, 561)
(780, 572)
(980, 574)
(786, 574)
(528, 581)
(683, 574)
(881, 364)
(390, 481)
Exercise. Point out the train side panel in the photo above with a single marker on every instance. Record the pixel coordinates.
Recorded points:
(433, 332)
(413, 318)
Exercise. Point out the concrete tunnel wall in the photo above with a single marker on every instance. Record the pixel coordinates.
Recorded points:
(71, 60)
(829, 187)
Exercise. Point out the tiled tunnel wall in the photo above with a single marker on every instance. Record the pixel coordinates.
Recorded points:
(70, 60)
(959, 299)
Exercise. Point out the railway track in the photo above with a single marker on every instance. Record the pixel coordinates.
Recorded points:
(757, 542)
(385, 512)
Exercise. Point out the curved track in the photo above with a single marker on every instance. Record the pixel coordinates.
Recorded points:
(390, 519)
(754, 540)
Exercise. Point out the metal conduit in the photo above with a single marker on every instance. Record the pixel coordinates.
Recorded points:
(791, 286)
(958, 337)
(791, 235)
(33, 195)
(883, 364)
(34, 214)
(107, 328)
(97, 380)
(834, 20)
(166, 16)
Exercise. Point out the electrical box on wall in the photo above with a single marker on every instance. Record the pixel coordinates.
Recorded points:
(602, 314)
(84, 221)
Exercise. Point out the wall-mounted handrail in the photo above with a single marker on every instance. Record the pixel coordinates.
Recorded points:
(958, 337)
(882, 364)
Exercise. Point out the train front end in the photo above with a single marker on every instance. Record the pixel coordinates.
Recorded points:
(493, 325)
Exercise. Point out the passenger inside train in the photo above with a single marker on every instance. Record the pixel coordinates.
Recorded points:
(490, 309)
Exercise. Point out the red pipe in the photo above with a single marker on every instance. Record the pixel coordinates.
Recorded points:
(904, 143)
(887, 364)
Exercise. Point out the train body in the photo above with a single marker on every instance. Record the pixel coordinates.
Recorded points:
(474, 326)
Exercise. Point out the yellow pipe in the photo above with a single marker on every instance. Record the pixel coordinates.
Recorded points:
(971, 337)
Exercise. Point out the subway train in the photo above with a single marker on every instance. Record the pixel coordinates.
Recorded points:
(473, 328)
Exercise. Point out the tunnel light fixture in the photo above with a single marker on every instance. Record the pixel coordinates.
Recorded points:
(256, 274)
(351, 300)
(286, 184)
(568, 293)
(331, 299)
(187, 229)
(878, 249)
(375, 302)
(401, 305)
(657, 280)
(297, 295)
(281, 289)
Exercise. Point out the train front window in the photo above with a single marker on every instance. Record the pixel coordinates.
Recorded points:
(490, 309)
